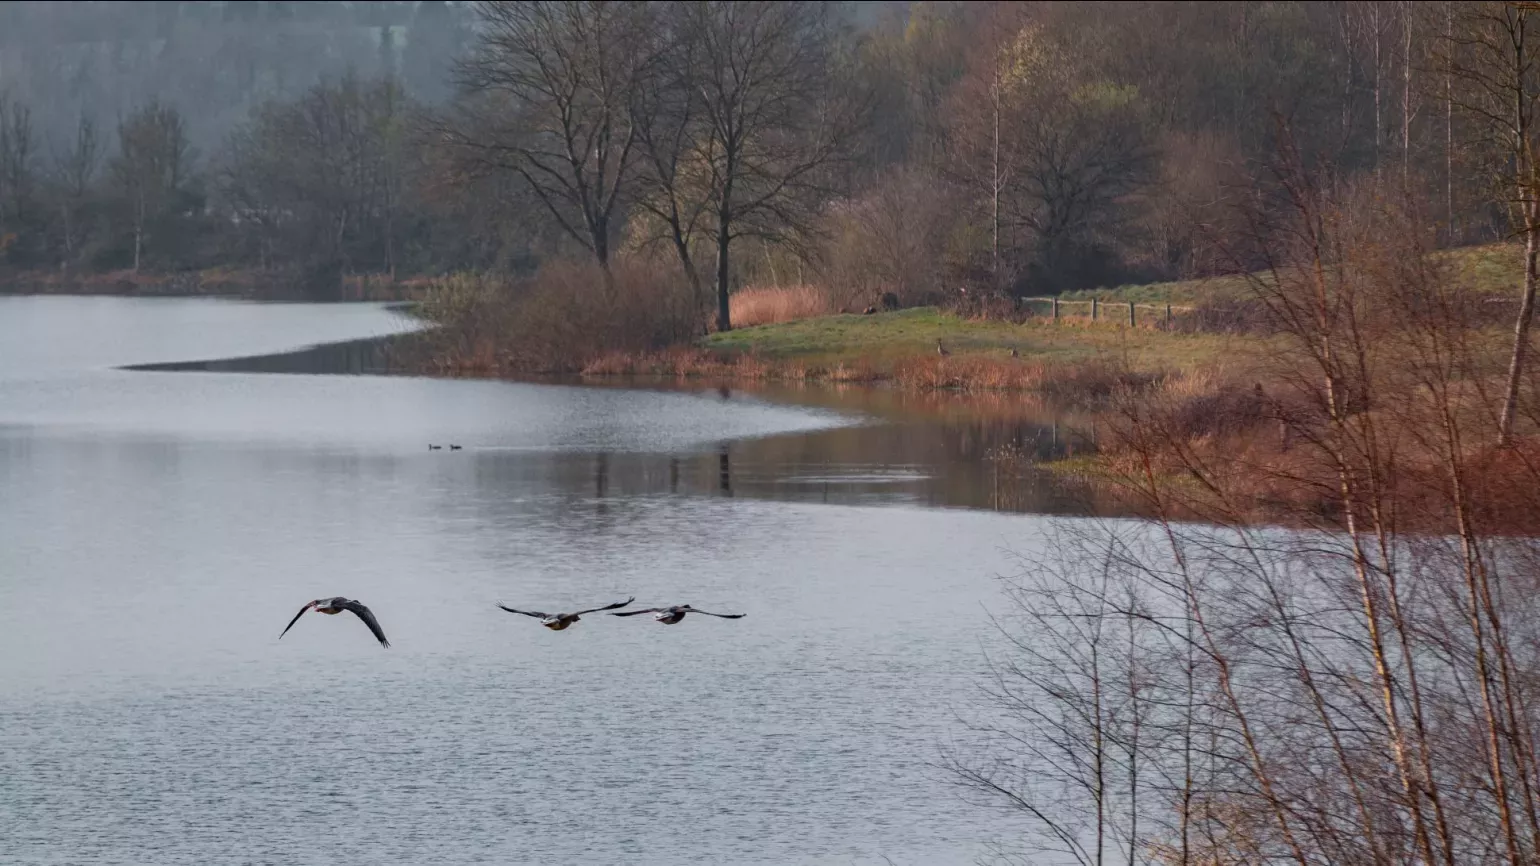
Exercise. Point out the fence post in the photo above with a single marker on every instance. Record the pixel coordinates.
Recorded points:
(1095, 304)
(1130, 314)
(1055, 301)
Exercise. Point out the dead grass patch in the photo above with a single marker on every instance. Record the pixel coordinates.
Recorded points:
(771, 305)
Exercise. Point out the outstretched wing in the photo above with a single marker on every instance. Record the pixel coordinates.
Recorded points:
(606, 607)
(722, 615)
(534, 613)
(368, 617)
(308, 606)
(635, 612)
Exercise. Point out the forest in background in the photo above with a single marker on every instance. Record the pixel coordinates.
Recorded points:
(875, 148)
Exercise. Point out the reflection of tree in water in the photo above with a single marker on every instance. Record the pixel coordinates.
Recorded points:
(724, 471)
(974, 459)
(601, 482)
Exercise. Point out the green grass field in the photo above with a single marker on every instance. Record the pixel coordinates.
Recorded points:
(1491, 269)
(886, 337)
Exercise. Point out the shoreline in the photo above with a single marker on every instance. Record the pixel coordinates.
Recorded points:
(223, 283)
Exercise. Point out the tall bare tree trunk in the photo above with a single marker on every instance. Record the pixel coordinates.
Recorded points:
(69, 233)
(724, 237)
(1449, 121)
(1526, 317)
(1406, 94)
(138, 229)
(1529, 213)
(994, 188)
(1379, 125)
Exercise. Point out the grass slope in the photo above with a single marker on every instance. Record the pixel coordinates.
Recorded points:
(887, 337)
(1490, 269)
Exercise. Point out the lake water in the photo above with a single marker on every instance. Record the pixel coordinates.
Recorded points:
(158, 529)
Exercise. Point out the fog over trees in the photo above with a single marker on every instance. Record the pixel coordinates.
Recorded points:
(1018, 148)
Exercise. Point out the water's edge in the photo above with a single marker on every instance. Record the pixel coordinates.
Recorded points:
(931, 458)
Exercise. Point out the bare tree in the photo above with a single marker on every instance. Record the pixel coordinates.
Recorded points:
(1491, 55)
(774, 121)
(1354, 682)
(325, 174)
(1053, 153)
(152, 166)
(1072, 694)
(74, 173)
(667, 113)
(548, 94)
(18, 152)
(891, 239)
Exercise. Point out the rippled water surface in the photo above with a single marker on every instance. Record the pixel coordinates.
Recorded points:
(157, 529)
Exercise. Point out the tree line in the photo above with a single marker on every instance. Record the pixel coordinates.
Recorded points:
(911, 148)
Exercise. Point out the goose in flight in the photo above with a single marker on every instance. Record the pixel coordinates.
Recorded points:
(671, 615)
(338, 605)
(559, 621)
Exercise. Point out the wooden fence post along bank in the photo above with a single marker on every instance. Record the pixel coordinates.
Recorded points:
(1057, 310)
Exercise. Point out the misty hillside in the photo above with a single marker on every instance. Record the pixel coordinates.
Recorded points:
(867, 149)
(214, 61)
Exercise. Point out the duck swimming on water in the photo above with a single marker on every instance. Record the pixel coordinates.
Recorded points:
(559, 621)
(672, 615)
(337, 605)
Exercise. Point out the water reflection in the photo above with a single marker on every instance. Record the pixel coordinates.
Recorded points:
(940, 450)
(195, 510)
(964, 466)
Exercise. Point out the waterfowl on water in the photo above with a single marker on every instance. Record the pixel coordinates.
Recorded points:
(454, 448)
(338, 605)
(435, 448)
(671, 615)
(559, 621)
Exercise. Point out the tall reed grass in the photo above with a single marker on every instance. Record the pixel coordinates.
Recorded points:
(770, 305)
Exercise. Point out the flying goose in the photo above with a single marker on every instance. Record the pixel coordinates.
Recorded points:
(338, 605)
(671, 615)
(559, 621)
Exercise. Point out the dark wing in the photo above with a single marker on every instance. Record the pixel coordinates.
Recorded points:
(635, 612)
(301, 613)
(722, 615)
(368, 617)
(608, 606)
(534, 613)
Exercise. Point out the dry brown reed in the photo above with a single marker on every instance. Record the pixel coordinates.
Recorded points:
(770, 305)
(564, 318)
(1085, 383)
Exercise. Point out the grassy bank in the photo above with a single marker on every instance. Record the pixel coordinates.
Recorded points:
(884, 339)
(1489, 270)
(563, 323)
(927, 349)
